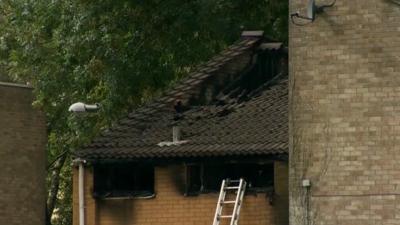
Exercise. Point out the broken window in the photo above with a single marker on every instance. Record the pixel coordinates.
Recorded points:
(123, 180)
(205, 178)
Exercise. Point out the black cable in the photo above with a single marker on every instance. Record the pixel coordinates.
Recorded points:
(397, 2)
(332, 4)
(321, 8)
(308, 206)
(318, 9)
(301, 17)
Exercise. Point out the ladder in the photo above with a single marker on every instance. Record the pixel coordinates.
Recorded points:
(238, 187)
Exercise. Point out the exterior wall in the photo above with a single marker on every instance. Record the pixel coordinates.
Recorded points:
(89, 202)
(22, 158)
(345, 114)
(170, 207)
(281, 198)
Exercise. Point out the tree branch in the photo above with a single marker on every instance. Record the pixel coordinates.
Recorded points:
(54, 186)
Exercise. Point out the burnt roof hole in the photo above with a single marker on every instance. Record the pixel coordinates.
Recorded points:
(266, 67)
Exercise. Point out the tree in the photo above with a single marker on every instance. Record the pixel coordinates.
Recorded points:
(117, 53)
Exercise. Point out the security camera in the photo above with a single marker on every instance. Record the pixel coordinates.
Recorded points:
(81, 107)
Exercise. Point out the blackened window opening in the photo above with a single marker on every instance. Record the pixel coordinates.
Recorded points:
(259, 177)
(193, 179)
(123, 180)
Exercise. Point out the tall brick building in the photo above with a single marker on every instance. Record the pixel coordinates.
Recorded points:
(345, 114)
(22, 157)
(232, 113)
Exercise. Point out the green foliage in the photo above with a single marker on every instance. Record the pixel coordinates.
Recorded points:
(118, 53)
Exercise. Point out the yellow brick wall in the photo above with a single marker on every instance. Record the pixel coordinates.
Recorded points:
(281, 198)
(22, 158)
(89, 203)
(170, 207)
(345, 114)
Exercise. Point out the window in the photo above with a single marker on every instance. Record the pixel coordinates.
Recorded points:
(123, 180)
(193, 179)
(203, 178)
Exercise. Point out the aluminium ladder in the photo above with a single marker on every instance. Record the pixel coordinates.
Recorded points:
(238, 187)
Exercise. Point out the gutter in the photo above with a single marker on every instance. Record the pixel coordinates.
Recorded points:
(9, 84)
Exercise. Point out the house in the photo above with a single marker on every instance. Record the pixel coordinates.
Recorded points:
(345, 114)
(164, 163)
(23, 140)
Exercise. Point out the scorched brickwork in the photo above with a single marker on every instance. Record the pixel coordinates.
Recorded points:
(170, 207)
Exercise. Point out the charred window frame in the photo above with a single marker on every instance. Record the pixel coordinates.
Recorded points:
(123, 180)
(207, 178)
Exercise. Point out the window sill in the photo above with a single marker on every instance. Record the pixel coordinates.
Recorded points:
(249, 191)
(125, 197)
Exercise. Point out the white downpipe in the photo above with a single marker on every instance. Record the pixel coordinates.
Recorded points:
(81, 194)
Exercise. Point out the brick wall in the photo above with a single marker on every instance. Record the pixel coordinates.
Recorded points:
(170, 207)
(345, 114)
(281, 199)
(22, 158)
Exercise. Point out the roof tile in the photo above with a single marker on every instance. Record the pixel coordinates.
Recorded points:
(258, 126)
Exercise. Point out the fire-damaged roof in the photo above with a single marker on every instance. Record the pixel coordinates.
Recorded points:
(236, 104)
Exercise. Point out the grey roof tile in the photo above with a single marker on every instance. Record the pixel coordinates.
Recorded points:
(257, 126)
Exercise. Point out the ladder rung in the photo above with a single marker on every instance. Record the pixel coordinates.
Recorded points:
(230, 188)
(234, 181)
(226, 216)
(239, 190)
(228, 202)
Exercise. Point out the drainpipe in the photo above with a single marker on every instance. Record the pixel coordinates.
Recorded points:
(81, 186)
(306, 183)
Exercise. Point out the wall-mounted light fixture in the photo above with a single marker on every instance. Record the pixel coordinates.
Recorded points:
(80, 107)
(312, 10)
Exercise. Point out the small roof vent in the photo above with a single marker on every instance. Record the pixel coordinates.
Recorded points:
(176, 138)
